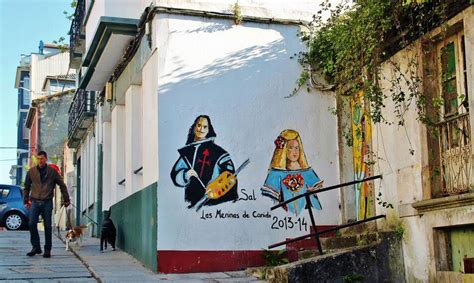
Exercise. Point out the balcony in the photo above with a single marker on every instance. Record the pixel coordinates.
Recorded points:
(455, 155)
(106, 50)
(77, 36)
(81, 116)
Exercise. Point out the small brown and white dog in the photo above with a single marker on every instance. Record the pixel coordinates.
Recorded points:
(74, 235)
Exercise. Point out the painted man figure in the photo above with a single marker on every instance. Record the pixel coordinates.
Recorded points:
(38, 196)
(201, 161)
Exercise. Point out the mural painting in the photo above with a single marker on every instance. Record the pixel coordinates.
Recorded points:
(361, 133)
(290, 175)
(204, 169)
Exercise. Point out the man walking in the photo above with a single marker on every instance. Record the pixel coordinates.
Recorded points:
(38, 197)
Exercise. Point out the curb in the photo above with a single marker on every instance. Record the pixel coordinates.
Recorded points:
(83, 261)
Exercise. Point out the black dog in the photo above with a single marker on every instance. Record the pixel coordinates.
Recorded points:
(108, 233)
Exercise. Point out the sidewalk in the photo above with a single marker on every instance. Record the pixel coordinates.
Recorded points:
(118, 266)
(16, 267)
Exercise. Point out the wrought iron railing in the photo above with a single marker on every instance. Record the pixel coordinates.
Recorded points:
(75, 30)
(455, 155)
(82, 107)
(315, 231)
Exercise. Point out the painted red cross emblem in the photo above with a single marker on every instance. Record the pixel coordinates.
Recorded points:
(204, 161)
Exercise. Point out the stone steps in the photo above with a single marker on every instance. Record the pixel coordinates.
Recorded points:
(374, 257)
(337, 243)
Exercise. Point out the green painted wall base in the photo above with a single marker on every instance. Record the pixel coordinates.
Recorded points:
(135, 220)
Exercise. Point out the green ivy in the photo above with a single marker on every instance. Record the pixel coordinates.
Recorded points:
(349, 47)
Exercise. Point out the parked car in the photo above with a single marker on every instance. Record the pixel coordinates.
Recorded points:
(13, 213)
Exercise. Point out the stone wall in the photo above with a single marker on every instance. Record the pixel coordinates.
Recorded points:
(379, 262)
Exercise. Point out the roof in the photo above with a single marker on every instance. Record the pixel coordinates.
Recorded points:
(424, 24)
(44, 98)
(152, 10)
(30, 117)
(227, 15)
(68, 77)
(51, 45)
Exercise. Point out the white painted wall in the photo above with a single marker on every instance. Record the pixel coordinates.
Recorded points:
(133, 139)
(44, 65)
(112, 8)
(402, 179)
(107, 166)
(149, 118)
(83, 176)
(88, 154)
(92, 189)
(118, 153)
(291, 10)
(239, 76)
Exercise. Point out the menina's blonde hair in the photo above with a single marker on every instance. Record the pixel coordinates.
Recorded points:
(281, 144)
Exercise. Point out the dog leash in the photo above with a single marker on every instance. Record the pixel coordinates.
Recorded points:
(68, 217)
(86, 216)
(64, 209)
(59, 220)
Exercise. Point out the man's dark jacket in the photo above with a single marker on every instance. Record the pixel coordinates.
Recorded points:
(39, 187)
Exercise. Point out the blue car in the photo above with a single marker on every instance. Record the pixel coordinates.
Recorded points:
(13, 213)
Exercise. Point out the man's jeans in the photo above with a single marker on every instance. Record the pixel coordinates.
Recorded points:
(45, 209)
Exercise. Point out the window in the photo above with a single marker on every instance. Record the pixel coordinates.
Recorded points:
(4, 192)
(453, 75)
(453, 248)
(56, 86)
(26, 131)
(454, 126)
(26, 92)
(464, 73)
(448, 79)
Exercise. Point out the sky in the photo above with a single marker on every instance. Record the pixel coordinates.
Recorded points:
(23, 23)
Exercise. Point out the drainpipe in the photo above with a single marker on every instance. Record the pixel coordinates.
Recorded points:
(98, 211)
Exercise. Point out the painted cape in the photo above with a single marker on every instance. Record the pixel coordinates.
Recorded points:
(281, 185)
(209, 161)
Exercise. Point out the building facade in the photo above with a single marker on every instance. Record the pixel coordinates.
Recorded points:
(22, 83)
(50, 88)
(49, 82)
(151, 78)
(427, 170)
(435, 186)
(142, 86)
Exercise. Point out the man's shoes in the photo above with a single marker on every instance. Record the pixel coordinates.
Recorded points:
(34, 251)
(47, 253)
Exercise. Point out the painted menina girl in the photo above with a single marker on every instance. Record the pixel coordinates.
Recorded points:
(290, 175)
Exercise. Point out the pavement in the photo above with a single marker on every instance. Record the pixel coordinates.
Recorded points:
(16, 267)
(86, 263)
